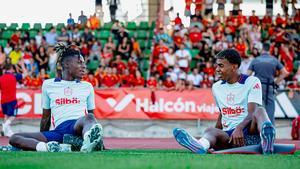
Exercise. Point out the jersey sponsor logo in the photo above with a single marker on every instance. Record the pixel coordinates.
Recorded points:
(68, 91)
(122, 104)
(230, 98)
(232, 111)
(63, 101)
(256, 86)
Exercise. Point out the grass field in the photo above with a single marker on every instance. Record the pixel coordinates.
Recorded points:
(144, 159)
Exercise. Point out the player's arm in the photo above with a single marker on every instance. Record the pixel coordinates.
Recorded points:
(237, 137)
(219, 123)
(46, 117)
(251, 108)
(254, 99)
(219, 120)
(91, 101)
(45, 122)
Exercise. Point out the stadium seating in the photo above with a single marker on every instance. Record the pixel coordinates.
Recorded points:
(141, 34)
(7, 34)
(2, 26)
(25, 27)
(131, 26)
(32, 33)
(107, 26)
(144, 25)
(59, 26)
(13, 26)
(48, 26)
(3, 42)
(37, 26)
(105, 34)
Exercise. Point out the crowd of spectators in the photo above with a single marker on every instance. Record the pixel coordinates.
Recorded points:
(181, 58)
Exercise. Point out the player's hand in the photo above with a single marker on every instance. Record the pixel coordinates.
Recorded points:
(237, 137)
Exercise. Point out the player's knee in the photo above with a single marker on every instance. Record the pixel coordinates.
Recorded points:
(210, 130)
(259, 111)
(90, 116)
(14, 139)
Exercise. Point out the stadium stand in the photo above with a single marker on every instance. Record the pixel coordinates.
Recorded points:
(154, 51)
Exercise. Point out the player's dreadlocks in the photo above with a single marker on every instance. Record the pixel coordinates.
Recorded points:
(64, 51)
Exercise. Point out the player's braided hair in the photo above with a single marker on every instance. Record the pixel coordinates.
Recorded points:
(65, 51)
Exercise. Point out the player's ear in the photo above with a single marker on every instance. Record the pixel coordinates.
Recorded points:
(235, 66)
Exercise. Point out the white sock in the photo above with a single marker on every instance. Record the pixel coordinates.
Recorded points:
(8, 122)
(205, 143)
(41, 146)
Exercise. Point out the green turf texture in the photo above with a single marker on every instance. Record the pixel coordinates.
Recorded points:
(141, 159)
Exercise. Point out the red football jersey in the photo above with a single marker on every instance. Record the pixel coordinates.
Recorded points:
(8, 83)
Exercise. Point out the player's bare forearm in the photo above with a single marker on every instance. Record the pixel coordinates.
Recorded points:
(247, 120)
(219, 123)
(45, 121)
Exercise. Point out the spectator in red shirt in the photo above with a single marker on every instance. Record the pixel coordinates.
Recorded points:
(8, 83)
(15, 39)
(139, 80)
(177, 38)
(36, 82)
(132, 66)
(92, 79)
(279, 21)
(241, 47)
(253, 19)
(209, 69)
(199, 5)
(187, 10)
(230, 18)
(280, 35)
(195, 35)
(158, 49)
(152, 83)
(206, 82)
(267, 19)
(127, 80)
(169, 84)
(99, 75)
(110, 80)
(177, 20)
(241, 19)
(27, 81)
(119, 64)
(161, 65)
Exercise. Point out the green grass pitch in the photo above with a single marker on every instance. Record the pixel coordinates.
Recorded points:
(141, 159)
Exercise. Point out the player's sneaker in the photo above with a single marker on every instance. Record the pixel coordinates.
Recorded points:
(54, 146)
(188, 141)
(92, 138)
(9, 148)
(267, 135)
(7, 130)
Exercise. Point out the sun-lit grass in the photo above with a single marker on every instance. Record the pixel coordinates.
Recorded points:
(143, 159)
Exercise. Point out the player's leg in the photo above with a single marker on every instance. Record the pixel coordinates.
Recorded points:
(9, 110)
(28, 141)
(265, 128)
(90, 130)
(212, 138)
